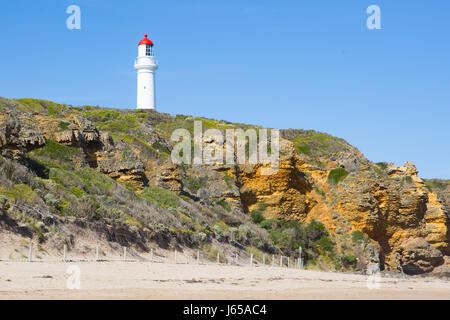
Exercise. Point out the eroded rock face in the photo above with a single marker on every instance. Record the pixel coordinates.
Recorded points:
(389, 207)
(418, 256)
(19, 134)
(284, 193)
(169, 178)
(436, 224)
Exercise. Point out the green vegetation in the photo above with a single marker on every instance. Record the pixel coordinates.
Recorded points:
(257, 254)
(195, 183)
(19, 191)
(408, 179)
(436, 184)
(312, 237)
(63, 125)
(382, 165)
(349, 260)
(94, 182)
(229, 180)
(112, 120)
(317, 144)
(37, 105)
(257, 214)
(224, 204)
(337, 175)
(162, 197)
(211, 252)
(319, 191)
(358, 236)
(77, 192)
(56, 151)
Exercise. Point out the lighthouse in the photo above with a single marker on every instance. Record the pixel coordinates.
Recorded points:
(145, 66)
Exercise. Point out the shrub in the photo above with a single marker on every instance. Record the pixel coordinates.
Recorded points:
(268, 223)
(95, 182)
(358, 236)
(77, 192)
(224, 204)
(315, 230)
(319, 191)
(326, 244)
(63, 125)
(382, 165)
(202, 237)
(211, 253)
(257, 214)
(349, 260)
(56, 151)
(160, 196)
(229, 180)
(337, 175)
(194, 184)
(19, 191)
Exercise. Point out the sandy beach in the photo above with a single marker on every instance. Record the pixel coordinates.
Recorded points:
(146, 280)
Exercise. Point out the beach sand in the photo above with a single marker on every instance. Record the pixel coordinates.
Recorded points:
(146, 280)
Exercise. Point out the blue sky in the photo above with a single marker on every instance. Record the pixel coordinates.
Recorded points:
(310, 64)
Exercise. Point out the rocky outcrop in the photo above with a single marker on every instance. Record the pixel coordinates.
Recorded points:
(285, 193)
(169, 178)
(417, 256)
(18, 134)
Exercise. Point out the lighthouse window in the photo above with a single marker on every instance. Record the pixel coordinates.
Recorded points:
(148, 50)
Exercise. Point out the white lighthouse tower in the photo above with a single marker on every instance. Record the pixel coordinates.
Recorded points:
(145, 66)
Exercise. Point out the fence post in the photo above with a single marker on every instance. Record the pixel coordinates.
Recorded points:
(236, 258)
(218, 258)
(264, 259)
(288, 262)
(124, 253)
(65, 253)
(300, 259)
(251, 260)
(30, 253)
(273, 260)
(281, 261)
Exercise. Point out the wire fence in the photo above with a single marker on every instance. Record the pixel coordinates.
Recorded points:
(198, 257)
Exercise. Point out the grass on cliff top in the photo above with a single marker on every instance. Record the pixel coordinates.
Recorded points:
(437, 184)
(38, 105)
(315, 144)
(167, 125)
(113, 121)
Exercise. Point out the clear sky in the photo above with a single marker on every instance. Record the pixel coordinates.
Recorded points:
(310, 64)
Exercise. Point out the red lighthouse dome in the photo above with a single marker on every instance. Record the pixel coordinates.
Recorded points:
(146, 41)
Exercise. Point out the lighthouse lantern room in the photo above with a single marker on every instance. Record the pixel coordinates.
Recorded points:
(145, 66)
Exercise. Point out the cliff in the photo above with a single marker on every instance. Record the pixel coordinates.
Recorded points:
(110, 171)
